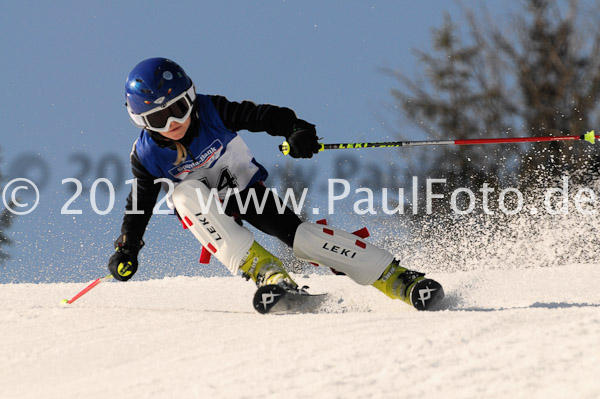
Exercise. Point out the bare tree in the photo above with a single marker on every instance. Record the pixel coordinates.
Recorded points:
(537, 75)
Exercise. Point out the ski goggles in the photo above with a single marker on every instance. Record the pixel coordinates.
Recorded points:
(159, 119)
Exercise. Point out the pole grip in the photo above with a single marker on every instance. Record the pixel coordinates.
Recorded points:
(285, 147)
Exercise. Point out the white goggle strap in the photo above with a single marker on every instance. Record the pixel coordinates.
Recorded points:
(136, 118)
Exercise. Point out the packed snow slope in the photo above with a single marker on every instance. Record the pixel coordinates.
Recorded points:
(529, 333)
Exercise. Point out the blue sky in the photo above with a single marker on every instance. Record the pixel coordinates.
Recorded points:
(63, 115)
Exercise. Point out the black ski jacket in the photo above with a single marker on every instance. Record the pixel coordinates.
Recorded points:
(276, 121)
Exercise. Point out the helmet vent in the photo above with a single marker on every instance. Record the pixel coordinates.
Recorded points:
(152, 79)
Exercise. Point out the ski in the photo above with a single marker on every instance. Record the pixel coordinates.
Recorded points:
(276, 299)
(425, 294)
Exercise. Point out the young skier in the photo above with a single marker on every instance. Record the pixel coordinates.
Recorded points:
(191, 139)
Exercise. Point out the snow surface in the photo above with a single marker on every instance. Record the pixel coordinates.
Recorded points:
(528, 333)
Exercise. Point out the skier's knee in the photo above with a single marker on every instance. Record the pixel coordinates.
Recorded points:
(190, 189)
(216, 231)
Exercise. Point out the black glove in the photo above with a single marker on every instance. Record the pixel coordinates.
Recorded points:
(303, 139)
(123, 263)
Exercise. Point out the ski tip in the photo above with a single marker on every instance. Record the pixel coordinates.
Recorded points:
(267, 297)
(426, 294)
(281, 300)
(64, 302)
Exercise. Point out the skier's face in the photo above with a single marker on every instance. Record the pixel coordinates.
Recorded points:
(177, 130)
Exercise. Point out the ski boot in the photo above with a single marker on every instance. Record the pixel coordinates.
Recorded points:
(276, 292)
(265, 269)
(409, 286)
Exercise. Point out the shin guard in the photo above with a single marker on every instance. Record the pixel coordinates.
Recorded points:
(362, 262)
(219, 233)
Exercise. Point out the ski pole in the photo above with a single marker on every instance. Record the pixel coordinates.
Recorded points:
(86, 289)
(589, 137)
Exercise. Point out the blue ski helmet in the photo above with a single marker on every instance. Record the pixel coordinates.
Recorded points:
(158, 89)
